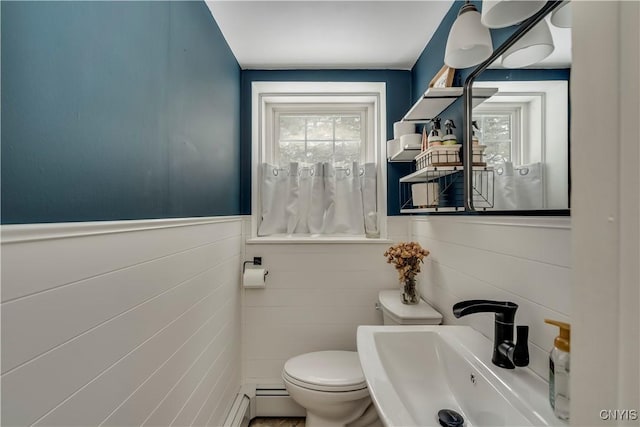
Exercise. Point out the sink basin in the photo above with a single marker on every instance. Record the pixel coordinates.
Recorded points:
(414, 371)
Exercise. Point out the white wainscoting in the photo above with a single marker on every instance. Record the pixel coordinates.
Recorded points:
(121, 323)
(315, 298)
(521, 259)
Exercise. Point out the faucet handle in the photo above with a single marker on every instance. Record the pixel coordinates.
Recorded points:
(521, 350)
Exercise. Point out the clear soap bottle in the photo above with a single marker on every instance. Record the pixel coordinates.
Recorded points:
(559, 370)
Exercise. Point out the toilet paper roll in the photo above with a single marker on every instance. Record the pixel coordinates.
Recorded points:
(254, 278)
(403, 128)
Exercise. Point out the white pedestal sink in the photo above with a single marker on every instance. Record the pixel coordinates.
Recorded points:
(414, 371)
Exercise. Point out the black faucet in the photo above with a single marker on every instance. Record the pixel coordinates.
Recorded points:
(506, 353)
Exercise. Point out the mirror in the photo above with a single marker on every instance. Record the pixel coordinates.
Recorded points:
(524, 128)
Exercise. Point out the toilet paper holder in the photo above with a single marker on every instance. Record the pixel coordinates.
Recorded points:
(257, 260)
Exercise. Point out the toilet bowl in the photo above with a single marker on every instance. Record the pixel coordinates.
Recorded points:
(330, 385)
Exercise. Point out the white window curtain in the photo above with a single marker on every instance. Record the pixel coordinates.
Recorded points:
(518, 187)
(319, 199)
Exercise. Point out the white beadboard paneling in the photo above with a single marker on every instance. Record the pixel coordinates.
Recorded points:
(51, 318)
(130, 372)
(471, 259)
(121, 313)
(543, 283)
(203, 345)
(399, 228)
(65, 368)
(317, 315)
(284, 341)
(178, 395)
(311, 297)
(210, 382)
(29, 267)
(216, 417)
(340, 260)
(543, 239)
(325, 278)
(264, 370)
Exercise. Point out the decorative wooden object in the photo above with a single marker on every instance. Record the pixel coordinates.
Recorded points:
(444, 77)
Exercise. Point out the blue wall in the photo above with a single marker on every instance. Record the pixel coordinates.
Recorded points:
(117, 110)
(398, 102)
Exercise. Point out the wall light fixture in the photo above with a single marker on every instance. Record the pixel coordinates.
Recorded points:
(562, 16)
(504, 13)
(469, 42)
(533, 47)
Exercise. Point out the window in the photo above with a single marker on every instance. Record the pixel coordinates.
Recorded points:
(312, 123)
(312, 130)
(320, 137)
(499, 130)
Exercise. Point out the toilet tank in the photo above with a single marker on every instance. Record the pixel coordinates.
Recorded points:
(394, 312)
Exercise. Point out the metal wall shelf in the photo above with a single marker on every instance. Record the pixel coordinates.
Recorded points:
(405, 155)
(436, 99)
(431, 210)
(430, 173)
(445, 189)
(447, 180)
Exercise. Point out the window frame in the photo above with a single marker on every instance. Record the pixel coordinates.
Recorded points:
(267, 95)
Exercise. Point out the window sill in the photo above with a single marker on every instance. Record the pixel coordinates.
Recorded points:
(288, 240)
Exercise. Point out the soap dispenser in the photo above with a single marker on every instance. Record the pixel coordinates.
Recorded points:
(434, 135)
(449, 138)
(435, 124)
(559, 369)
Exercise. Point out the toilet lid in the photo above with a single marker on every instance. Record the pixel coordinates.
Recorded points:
(326, 371)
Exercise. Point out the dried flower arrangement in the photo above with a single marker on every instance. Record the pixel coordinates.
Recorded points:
(406, 257)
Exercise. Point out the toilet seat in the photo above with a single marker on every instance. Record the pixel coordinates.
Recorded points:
(332, 371)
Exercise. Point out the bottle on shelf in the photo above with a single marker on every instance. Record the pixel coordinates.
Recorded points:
(436, 125)
(434, 135)
(425, 139)
(449, 138)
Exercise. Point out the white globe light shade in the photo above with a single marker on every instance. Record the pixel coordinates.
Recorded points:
(469, 42)
(533, 47)
(504, 13)
(562, 16)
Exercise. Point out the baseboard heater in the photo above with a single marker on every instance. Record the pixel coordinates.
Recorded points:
(240, 412)
(274, 401)
(261, 401)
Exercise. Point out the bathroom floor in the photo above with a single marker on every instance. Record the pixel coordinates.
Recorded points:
(276, 422)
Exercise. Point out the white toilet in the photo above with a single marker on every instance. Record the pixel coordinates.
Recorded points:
(330, 385)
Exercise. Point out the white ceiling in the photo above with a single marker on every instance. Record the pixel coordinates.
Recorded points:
(342, 34)
(307, 34)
